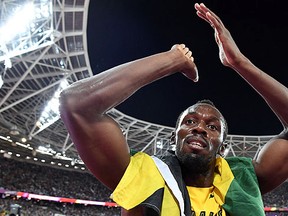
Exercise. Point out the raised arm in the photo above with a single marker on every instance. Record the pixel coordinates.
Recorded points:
(271, 165)
(83, 106)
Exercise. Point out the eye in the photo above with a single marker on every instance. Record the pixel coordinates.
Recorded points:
(212, 127)
(190, 121)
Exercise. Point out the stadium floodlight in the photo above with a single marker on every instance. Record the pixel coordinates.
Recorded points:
(50, 114)
(25, 25)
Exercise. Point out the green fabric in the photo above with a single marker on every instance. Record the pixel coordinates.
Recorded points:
(243, 197)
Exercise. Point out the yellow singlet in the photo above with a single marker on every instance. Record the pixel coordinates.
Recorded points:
(203, 202)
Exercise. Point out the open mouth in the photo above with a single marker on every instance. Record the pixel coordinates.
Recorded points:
(196, 142)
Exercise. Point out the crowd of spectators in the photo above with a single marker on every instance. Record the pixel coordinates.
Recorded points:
(45, 180)
(46, 208)
(278, 197)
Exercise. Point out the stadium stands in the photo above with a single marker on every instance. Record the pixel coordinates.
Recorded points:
(44, 180)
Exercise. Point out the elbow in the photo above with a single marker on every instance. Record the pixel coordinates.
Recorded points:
(70, 101)
(76, 102)
(67, 103)
(70, 104)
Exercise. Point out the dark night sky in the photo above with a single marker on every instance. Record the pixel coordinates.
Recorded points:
(121, 31)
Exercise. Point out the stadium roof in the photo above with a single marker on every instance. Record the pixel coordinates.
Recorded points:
(37, 62)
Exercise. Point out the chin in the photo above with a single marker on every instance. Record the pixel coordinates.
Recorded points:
(195, 162)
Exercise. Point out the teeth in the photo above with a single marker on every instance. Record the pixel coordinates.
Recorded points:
(196, 144)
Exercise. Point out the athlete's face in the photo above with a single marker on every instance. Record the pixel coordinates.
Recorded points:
(199, 135)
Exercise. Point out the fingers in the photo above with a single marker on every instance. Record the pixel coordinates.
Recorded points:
(179, 46)
(209, 16)
(201, 11)
(188, 53)
(189, 68)
(185, 50)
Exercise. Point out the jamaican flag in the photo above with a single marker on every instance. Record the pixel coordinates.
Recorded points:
(235, 187)
(240, 191)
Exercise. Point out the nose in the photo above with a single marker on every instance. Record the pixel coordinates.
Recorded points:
(199, 128)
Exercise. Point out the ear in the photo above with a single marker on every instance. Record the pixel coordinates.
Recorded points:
(172, 138)
(222, 149)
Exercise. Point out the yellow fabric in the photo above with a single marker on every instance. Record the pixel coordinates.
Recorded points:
(203, 201)
(211, 199)
(222, 180)
(142, 179)
(169, 205)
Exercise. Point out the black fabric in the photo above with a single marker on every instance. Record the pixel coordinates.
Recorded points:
(173, 163)
(153, 203)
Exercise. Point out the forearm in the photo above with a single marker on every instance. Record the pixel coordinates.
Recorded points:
(272, 91)
(107, 89)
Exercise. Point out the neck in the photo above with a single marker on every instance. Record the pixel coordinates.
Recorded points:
(199, 179)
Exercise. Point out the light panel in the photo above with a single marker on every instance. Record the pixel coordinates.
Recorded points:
(24, 26)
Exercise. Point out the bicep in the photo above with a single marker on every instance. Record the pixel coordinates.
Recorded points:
(271, 165)
(101, 145)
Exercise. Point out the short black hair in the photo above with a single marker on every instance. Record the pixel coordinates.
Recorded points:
(209, 102)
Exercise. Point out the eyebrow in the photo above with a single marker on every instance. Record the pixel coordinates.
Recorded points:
(211, 118)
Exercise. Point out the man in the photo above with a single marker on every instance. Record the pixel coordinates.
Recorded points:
(195, 180)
